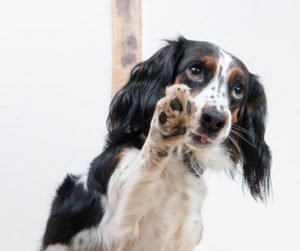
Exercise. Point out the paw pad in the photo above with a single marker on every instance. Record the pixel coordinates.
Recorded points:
(179, 131)
(163, 117)
(188, 106)
(175, 105)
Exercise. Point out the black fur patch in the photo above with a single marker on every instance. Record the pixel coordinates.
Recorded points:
(188, 159)
(257, 155)
(73, 209)
(104, 165)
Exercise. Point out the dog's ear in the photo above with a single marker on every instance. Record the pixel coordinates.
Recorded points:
(132, 107)
(255, 154)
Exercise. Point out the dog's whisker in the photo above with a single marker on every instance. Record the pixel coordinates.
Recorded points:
(246, 132)
(241, 137)
(237, 147)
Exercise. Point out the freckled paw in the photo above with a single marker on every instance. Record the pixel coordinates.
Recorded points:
(175, 111)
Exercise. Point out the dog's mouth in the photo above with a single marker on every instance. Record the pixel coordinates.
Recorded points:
(200, 139)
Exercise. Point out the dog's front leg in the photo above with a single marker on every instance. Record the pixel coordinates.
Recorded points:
(172, 119)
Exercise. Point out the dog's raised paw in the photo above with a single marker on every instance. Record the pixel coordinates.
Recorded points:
(176, 111)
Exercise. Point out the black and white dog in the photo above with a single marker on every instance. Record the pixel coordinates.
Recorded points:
(189, 107)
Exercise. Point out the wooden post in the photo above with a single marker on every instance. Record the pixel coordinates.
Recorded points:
(126, 39)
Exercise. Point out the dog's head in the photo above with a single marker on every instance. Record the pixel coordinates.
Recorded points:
(230, 100)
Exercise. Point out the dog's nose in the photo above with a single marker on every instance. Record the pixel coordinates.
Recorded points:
(212, 121)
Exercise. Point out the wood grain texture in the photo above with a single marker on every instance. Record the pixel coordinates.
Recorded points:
(126, 40)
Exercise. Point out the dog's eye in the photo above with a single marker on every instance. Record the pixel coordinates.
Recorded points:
(238, 92)
(195, 72)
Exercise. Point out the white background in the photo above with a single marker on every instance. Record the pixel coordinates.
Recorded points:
(55, 91)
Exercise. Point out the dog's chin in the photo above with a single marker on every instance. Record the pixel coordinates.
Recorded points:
(200, 141)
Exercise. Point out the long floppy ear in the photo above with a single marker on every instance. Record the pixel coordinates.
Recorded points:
(256, 158)
(132, 107)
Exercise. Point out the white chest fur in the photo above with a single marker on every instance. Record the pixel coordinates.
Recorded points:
(153, 209)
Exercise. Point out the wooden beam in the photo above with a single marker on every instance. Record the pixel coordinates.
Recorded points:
(126, 39)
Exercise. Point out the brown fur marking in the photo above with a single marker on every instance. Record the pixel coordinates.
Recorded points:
(211, 65)
(235, 74)
(235, 116)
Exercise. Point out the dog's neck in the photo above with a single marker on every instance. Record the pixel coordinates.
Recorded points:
(209, 157)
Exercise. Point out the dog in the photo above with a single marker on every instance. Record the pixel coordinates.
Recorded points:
(190, 107)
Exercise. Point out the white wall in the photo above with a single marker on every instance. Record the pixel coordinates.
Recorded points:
(54, 96)
(55, 91)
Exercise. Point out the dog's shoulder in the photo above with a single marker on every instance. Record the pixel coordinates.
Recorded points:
(78, 203)
(105, 164)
